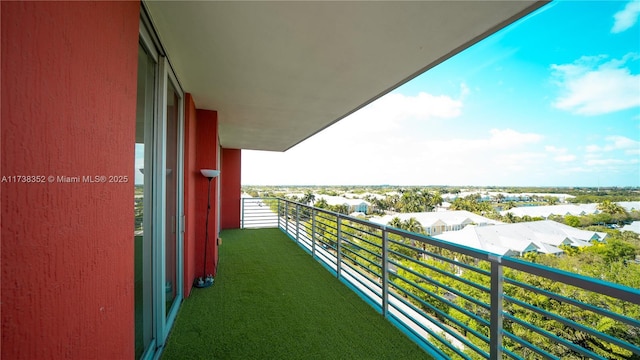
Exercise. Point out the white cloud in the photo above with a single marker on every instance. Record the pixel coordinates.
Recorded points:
(613, 143)
(592, 148)
(626, 18)
(608, 162)
(560, 154)
(591, 86)
(398, 107)
(510, 138)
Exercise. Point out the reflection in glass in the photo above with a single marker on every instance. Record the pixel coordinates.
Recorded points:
(142, 200)
(171, 196)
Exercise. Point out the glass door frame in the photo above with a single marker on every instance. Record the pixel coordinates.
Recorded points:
(167, 75)
(161, 319)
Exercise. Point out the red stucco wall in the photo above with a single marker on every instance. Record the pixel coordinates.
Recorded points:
(230, 188)
(68, 109)
(190, 176)
(207, 151)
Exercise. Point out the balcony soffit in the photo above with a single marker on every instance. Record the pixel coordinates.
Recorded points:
(279, 72)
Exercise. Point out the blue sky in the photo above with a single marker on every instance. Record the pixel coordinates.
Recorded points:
(552, 100)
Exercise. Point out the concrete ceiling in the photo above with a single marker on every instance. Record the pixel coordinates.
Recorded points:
(279, 72)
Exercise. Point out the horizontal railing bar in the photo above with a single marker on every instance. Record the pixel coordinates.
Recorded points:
(378, 256)
(363, 266)
(444, 258)
(510, 354)
(528, 345)
(433, 334)
(575, 325)
(482, 255)
(445, 315)
(437, 322)
(591, 284)
(373, 244)
(346, 235)
(577, 303)
(553, 337)
(376, 290)
(379, 236)
(465, 281)
(455, 291)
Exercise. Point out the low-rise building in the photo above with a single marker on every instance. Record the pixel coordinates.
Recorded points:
(545, 237)
(354, 205)
(546, 211)
(438, 222)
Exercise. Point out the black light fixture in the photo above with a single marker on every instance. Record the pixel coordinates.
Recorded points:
(206, 280)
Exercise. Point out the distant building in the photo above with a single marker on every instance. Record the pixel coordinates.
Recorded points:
(634, 226)
(630, 205)
(438, 222)
(545, 237)
(548, 210)
(355, 205)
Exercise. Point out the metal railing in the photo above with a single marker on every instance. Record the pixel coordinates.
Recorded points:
(258, 213)
(459, 302)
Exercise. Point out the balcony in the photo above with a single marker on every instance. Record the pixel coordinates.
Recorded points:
(452, 301)
(272, 301)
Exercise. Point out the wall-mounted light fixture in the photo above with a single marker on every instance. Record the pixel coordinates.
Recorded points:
(206, 280)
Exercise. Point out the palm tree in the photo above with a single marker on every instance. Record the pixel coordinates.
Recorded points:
(321, 203)
(309, 198)
(341, 208)
(611, 208)
(413, 225)
(435, 200)
(509, 218)
(396, 223)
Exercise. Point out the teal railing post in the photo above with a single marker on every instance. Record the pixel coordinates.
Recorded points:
(279, 213)
(242, 213)
(313, 232)
(385, 274)
(496, 308)
(286, 217)
(338, 247)
(297, 223)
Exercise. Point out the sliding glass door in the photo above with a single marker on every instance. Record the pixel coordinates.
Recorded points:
(173, 191)
(157, 199)
(143, 231)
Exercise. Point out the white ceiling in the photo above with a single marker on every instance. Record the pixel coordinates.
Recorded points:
(279, 72)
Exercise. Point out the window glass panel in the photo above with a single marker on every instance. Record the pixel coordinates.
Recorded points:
(143, 236)
(171, 223)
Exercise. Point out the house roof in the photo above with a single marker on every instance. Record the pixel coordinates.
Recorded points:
(279, 72)
(542, 236)
(428, 219)
(634, 226)
(547, 210)
(339, 200)
(630, 205)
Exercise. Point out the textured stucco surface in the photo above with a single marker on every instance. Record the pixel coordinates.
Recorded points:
(68, 109)
(231, 188)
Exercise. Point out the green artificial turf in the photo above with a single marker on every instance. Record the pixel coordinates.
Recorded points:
(271, 300)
